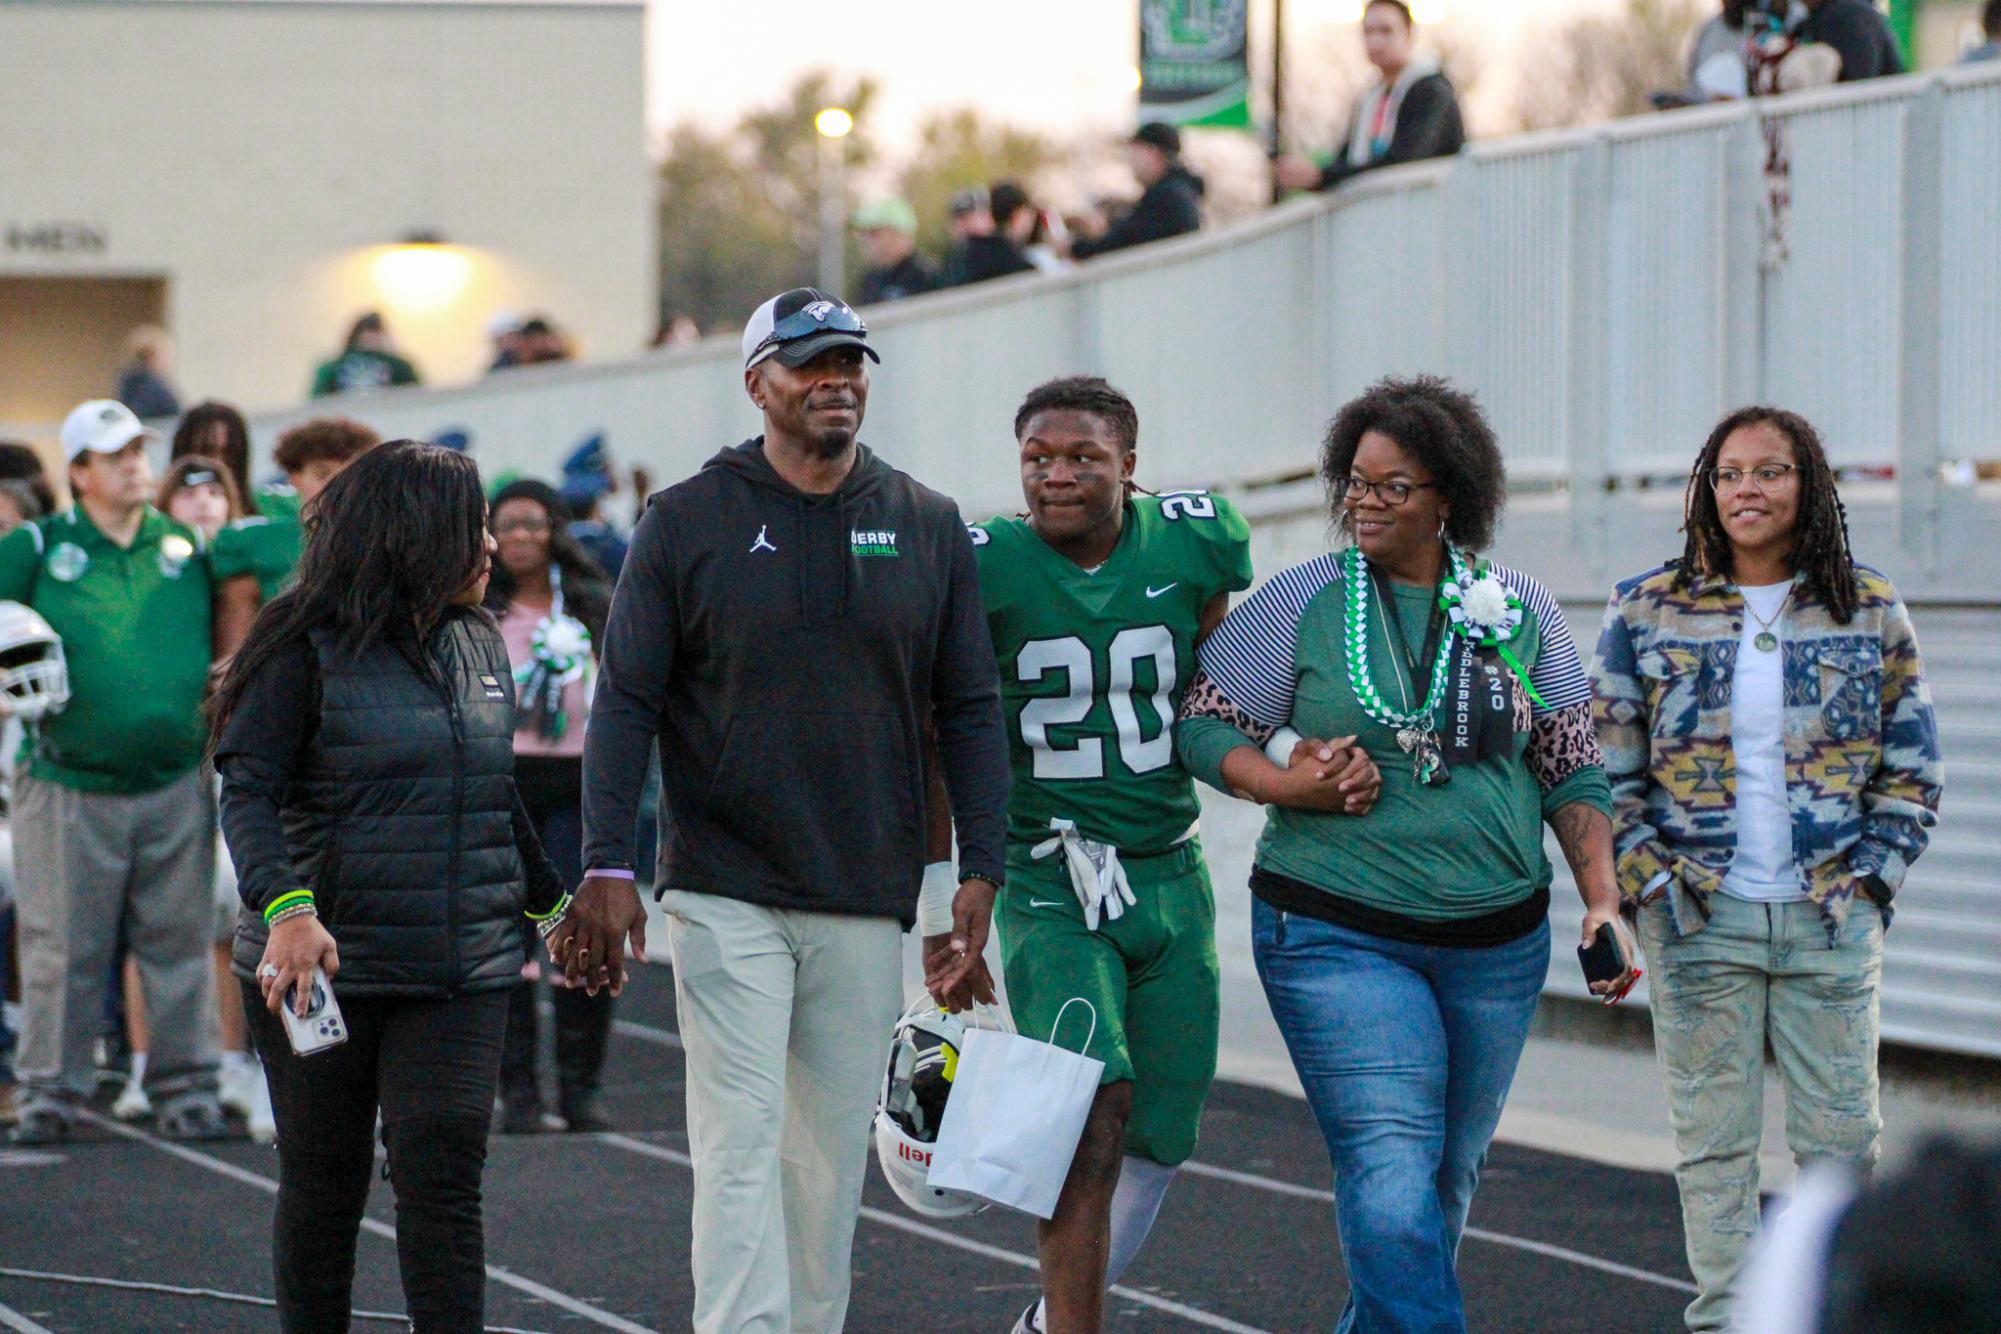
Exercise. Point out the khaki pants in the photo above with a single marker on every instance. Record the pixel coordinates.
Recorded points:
(86, 860)
(1755, 971)
(786, 1017)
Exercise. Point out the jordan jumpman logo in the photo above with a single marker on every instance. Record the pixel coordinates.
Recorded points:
(763, 543)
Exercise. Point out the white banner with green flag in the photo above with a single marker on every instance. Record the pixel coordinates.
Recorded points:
(1194, 62)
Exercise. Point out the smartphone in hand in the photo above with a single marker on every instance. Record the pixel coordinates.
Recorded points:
(321, 1027)
(1603, 961)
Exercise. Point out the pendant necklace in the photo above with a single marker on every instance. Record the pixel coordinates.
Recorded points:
(1766, 641)
(1419, 741)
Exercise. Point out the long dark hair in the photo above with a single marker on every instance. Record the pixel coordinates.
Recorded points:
(389, 544)
(586, 587)
(1820, 556)
(191, 437)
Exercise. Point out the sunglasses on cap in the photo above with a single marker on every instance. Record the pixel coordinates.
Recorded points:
(817, 318)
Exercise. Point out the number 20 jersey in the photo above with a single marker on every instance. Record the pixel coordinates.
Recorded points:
(1093, 665)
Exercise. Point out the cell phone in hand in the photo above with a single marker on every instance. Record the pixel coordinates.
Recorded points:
(321, 1027)
(1602, 959)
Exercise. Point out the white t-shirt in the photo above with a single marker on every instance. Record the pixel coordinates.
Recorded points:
(1762, 871)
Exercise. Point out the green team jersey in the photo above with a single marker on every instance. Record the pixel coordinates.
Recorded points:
(1093, 665)
(263, 545)
(134, 622)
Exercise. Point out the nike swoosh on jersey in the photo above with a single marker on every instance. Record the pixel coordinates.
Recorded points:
(1045, 903)
(1153, 592)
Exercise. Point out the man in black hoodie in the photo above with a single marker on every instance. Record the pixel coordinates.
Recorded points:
(787, 623)
(1170, 202)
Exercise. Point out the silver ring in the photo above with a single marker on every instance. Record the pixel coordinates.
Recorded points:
(268, 970)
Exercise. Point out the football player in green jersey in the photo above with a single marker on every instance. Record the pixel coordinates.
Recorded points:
(1096, 599)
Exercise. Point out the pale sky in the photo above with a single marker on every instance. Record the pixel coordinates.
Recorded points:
(1054, 65)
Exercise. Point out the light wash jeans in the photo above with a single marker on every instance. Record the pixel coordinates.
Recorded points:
(1406, 1053)
(1758, 971)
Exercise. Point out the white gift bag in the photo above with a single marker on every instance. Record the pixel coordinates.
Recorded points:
(1017, 1110)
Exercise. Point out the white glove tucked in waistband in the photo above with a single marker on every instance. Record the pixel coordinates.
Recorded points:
(1095, 873)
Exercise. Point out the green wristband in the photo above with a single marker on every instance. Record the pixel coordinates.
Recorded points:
(294, 899)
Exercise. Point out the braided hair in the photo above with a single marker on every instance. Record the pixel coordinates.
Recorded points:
(1820, 554)
(1092, 394)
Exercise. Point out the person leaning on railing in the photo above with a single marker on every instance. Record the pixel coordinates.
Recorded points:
(1403, 948)
(1774, 766)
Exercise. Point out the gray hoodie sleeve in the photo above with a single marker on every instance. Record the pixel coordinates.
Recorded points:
(635, 663)
(972, 734)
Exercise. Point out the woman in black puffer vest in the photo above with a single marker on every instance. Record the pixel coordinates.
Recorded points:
(364, 734)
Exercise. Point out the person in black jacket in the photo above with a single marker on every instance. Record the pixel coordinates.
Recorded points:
(364, 734)
(1858, 32)
(980, 249)
(790, 624)
(1409, 115)
(1170, 201)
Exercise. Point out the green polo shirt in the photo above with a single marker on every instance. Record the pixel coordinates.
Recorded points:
(262, 545)
(134, 622)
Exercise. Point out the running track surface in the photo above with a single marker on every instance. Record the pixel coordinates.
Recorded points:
(591, 1232)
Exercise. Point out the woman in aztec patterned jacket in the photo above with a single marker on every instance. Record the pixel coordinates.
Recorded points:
(1774, 766)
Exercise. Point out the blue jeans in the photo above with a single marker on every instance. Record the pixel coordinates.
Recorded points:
(1406, 1053)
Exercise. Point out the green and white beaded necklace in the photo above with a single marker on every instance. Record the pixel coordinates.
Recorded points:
(1416, 730)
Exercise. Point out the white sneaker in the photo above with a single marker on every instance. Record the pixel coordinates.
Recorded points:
(132, 1104)
(1027, 1325)
(263, 1125)
(234, 1084)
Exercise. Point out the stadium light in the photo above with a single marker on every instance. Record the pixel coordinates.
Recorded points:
(834, 123)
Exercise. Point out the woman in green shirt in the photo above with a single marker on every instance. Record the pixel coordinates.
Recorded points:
(1403, 949)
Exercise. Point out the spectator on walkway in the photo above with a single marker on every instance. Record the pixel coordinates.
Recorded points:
(368, 360)
(112, 815)
(253, 559)
(19, 504)
(887, 231)
(1858, 32)
(19, 462)
(215, 430)
(1775, 765)
(363, 737)
(1408, 115)
(550, 599)
(1404, 950)
(542, 342)
(588, 480)
(749, 591)
(979, 252)
(199, 493)
(143, 385)
(1170, 202)
(1990, 28)
(1022, 223)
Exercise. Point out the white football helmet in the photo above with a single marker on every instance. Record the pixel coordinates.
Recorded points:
(923, 1060)
(34, 677)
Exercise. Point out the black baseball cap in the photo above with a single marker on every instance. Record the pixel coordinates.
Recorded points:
(1161, 135)
(799, 325)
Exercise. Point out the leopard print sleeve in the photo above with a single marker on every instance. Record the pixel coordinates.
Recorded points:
(1561, 742)
(1205, 699)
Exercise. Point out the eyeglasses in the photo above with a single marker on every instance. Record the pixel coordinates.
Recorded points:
(1393, 494)
(533, 527)
(1766, 474)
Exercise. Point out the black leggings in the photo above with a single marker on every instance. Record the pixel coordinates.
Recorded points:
(431, 1066)
(552, 790)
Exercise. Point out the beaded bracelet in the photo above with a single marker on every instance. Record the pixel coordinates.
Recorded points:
(285, 903)
(287, 914)
(546, 923)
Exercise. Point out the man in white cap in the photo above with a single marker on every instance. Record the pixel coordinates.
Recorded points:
(112, 816)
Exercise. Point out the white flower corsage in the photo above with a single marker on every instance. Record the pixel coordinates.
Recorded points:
(1485, 614)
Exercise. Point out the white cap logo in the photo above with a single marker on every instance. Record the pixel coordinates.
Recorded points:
(819, 310)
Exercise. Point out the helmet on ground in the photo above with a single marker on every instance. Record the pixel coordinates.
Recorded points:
(923, 1060)
(34, 677)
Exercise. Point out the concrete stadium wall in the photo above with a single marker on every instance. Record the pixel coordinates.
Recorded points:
(258, 157)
